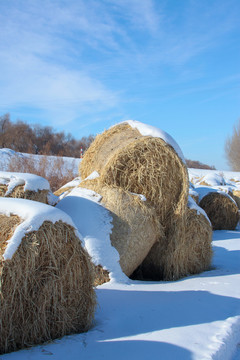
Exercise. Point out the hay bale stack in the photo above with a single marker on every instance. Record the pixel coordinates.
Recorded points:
(148, 165)
(221, 210)
(46, 287)
(135, 224)
(192, 254)
(140, 164)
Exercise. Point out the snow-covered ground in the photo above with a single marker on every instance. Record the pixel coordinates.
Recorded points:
(6, 155)
(197, 317)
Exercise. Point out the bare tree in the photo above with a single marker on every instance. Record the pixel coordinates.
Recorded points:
(5, 129)
(232, 148)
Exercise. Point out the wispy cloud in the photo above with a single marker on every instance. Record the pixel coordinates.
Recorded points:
(64, 56)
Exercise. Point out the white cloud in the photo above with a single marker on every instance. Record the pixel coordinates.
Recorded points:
(62, 56)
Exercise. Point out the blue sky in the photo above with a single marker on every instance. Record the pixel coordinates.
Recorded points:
(83, 65)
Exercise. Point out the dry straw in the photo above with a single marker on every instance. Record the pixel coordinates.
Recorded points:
(221, 210)
(135, 225)
(143, 165)
(191, 254)
(63, 190)
(20, 193)
(46, 289)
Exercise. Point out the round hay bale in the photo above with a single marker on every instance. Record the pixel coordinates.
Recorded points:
(46, 288)
(192, 254)
(135, 224)
(221, 210)
(140, 164)
(24, 186)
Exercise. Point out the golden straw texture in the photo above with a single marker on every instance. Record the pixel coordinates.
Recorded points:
(18, 192)
(46, 289)
(221, 210)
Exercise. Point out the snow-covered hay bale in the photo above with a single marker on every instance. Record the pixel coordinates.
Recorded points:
(24, 186)
(142, 160)
(170, 260)
(221, 210)
(18, 192)
(46, 277)
(135, 224)
(65, 189)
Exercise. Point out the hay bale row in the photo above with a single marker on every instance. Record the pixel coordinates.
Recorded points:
(46, 287)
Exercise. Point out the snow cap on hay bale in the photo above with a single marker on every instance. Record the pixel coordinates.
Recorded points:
(143, 160)
(24, 186)
(94, 222)
(46, 276)
(169, 260)
(135, 224)
(221, 210)
(65, 189)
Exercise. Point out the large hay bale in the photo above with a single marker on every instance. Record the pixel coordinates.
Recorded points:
(46, 287)
(170, 260)
(140, 164)
(221, 210)
(135, 224)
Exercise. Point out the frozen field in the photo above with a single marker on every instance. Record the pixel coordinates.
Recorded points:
(197, 317)
(194, 318)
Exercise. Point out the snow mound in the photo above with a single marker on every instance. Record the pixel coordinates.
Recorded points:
(94, 223)
(212, 179)
(31, 182)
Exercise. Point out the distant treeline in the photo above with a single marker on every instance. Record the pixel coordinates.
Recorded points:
(43, 140)
(198, 165)
(37, 139)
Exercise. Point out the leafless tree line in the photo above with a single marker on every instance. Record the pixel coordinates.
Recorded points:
(37, 139)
